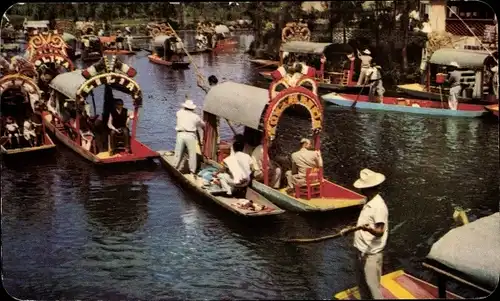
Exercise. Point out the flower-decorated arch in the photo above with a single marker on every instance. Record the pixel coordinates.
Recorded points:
(49, 47)
(24, 83)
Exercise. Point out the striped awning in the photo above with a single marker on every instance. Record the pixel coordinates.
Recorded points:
(238, 103)
(472, 59)
(304, 47)
(68, 83)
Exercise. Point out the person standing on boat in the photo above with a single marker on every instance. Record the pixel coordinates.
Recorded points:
(455, 86)
(376, 85)
(118, 121)
(128, 38)
(119, 40)
(188, 123)
(494, 80)
(366, 61)
(237, 170)
(302, 160)
(370, 241)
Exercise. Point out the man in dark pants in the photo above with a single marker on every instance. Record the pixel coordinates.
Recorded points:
(118, 124)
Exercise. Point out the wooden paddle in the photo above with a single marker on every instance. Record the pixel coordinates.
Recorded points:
(357, 97)
(441, 96)
(331, 236)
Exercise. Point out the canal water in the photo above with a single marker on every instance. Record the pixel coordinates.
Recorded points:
(73, 231)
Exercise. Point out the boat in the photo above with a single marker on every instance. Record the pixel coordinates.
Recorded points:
(92, 48)
(214, 37)
(263, 109)
(265, 63)
(172, 55)
(296, 42)
(110, 46)
(398, 104)
(76, 86)
(472, 62)
(493, 109)
(230, 203)
(71, 42)
(467, 255)
(18, 91)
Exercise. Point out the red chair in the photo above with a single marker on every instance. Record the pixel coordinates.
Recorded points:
(313, 185)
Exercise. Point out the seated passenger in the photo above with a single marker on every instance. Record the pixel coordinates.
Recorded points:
(237, 170)
(12, 129)
(301, 160)
(29, 132)
(36, 119)
(273, 170)
(118, 121)
(86, 130)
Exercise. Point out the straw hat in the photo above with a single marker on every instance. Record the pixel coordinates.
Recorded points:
(188, 104)
(305, 140)
(368, 178)
(366, 51)
(127, 29)
(454, 64)
(494, 69)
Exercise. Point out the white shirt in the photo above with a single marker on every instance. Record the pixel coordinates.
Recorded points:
(258, 157)
(426, 27)
(11, 127)
(188, 121)
(373, 212)
(239, 165)
(27, 125)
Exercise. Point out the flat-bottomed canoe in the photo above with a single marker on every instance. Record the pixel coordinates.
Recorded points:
(48, 145)
(415, 106)
(119, 52)
(174, 64)
(230, 203)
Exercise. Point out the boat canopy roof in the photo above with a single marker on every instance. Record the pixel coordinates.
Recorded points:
(68, 83)
(159, 41)
(237, 102)
(304, 47)
(473, 250)
(221, 29)
(36, 24)
(465, 58)
(68, 37)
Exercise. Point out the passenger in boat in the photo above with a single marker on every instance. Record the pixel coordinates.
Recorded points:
(212, 81)
(128, 38)
(100, 33)
(36, 119)
(366, 60)
(119, 40)
(455, 86)
(494, 80)
(188, 123)
(29, 132)
(247, 148)
(273, 170)
(118, 121)
(237, 169)
(376, 84)
(370, 241)
(301, 160)
(12, 129)
(86, 130)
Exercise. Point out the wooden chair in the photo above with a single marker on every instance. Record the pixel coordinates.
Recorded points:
(313, 185)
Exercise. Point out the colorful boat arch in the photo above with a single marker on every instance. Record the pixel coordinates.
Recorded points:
(24, 83)
(57, 59)
(49, 47)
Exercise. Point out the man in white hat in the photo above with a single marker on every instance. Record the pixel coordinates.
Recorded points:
(188, 123)
(455, 86)
(302, 160)
(366, 61)
(128, 38)
(370, 241)
(376, 85)
(495, 80)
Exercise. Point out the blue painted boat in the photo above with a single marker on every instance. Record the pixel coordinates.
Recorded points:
(405, 105)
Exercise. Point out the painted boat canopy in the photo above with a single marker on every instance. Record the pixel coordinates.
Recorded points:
(304, 47)
(36, 24)
(221, 29)
(24, 83)
(107, 39)
(67, 37)
(472, 249)
(159, 41)
(68, 83)
(236, 102)
(465, 58)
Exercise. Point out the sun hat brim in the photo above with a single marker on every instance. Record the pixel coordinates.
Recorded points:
(375, 180)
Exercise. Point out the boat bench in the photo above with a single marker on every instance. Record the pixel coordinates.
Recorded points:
(312, 187)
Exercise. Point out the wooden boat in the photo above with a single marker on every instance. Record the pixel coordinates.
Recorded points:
(109, 46)
(415, 106)
(48, 49)
(493, 109)
(263, 109)
(230, 203)
(470, 62)
(467, 255)
(77, 86)
(29, 94)
(262, 63)
(173, 55)
(92, 48)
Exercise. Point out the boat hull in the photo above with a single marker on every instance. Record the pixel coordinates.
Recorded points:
(49, 145)
(262, 63)
(166, 159)
(399, 285)
(339, 199)
(119, 52)
(391, 104)
(159, 61)
(324, 86)
(141, 152)
(418, 91)
(493, 109)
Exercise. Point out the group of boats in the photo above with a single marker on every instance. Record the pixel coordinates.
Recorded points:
(68, 108)
(430, 98)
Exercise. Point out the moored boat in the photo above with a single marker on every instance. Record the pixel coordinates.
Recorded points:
(493, 109)
(22, 130)
(92, 48)
(414, 106)
(64, 119)
(109, 45)
(167, 52)
(263, 109)
(265, 63)
(472, 65)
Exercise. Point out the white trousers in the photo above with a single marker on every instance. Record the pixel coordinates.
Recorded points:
(186, 140)
(453, 98)
(368, 274)
(362, 76)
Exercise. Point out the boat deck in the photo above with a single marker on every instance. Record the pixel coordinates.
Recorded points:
(167, 158)
(399, 285)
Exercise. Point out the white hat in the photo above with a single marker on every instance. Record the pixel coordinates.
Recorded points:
(454, 64)
(188, 104)
(494, 69)
(366, 51)
(368, 178)
(305, 140)
(127, 29)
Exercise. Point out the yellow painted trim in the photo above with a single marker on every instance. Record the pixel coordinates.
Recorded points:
(19, 76)
(139, 91)
(395, 288)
